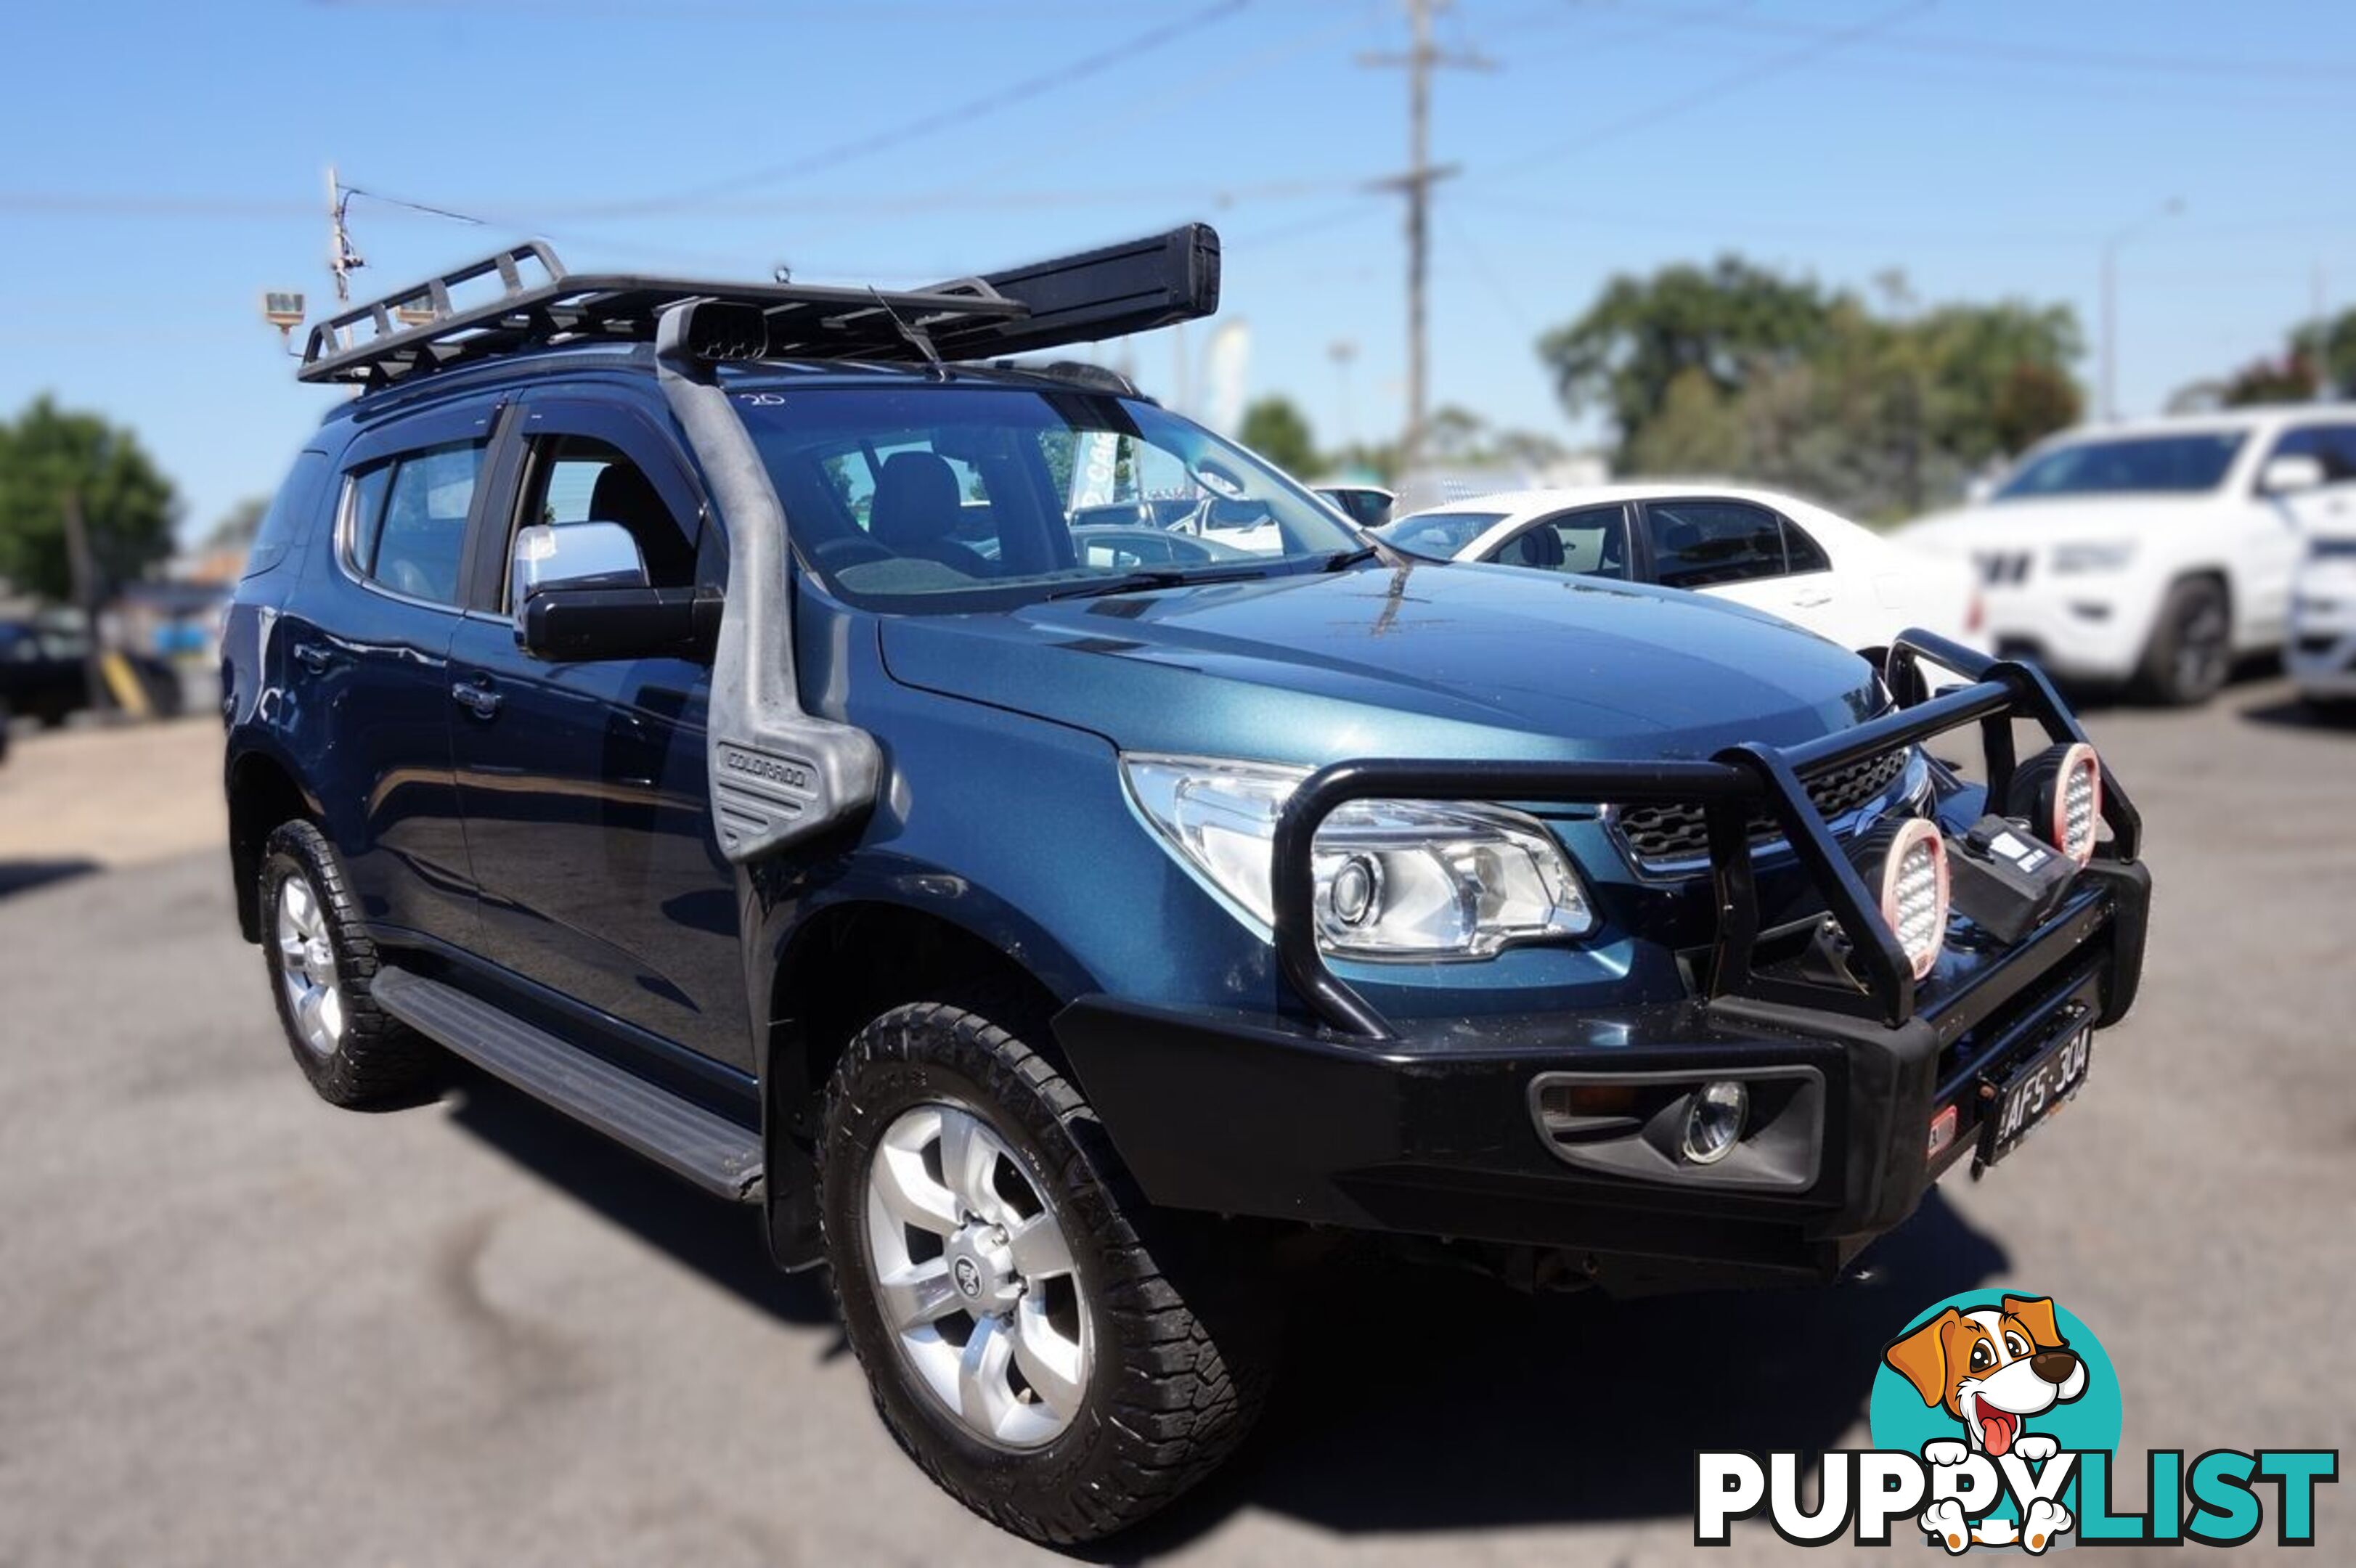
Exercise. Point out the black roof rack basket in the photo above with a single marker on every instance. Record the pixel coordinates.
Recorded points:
(1082, 298)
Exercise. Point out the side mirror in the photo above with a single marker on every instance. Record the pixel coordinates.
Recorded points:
(573, 555)
(2290, 474)
(1978, 488)
(581, 593)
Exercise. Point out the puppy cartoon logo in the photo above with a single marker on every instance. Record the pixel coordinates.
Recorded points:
(1995, 1420)
(1992, 1368)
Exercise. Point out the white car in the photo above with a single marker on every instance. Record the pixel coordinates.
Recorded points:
(2321, 656)
(2155, 553)
(1771, 551)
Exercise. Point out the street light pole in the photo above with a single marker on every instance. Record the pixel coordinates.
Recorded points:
(2111, 245)
(1343, 351)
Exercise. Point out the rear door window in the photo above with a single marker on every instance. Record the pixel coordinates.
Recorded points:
(1706, 544)
(1801, 553)
(408, 527)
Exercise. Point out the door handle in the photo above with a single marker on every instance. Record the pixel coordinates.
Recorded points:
(481, 701)
(1811, 601)
(313, 657)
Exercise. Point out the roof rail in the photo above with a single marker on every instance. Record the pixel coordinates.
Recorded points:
(1093, 294)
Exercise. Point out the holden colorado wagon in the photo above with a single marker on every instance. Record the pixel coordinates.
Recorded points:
(690, 703)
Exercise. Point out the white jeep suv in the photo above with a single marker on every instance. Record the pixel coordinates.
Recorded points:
(2155, 553)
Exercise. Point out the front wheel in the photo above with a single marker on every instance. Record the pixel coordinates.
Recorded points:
(2192, 651)
(1061, 1360)
(321, 966)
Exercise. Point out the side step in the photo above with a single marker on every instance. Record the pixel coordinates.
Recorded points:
(708, 1150)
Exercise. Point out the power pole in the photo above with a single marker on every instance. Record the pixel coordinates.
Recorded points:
(1342, 352)
(83, 573)
(1415, 182)
(342, 259)
(2112, 242)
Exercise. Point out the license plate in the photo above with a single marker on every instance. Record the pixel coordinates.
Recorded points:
(2034, 1091)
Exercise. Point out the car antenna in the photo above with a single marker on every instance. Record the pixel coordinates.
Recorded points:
(915, 335)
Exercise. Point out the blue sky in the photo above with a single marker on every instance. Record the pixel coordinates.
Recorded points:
(166, 164)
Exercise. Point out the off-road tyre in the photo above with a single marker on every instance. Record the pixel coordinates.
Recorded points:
(1184, 1328)
(377, 1061)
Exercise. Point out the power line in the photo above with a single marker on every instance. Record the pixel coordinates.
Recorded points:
(1947, 46)
(429, 211)
(1715, 89)
(1676, 22)
(959, 114)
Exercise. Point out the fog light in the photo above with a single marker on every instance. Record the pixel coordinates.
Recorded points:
(1714, 1120)
(2059, 793)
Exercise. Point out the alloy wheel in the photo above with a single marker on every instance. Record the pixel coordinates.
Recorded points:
(2202, 651)
(975, 1279)
(307, 967)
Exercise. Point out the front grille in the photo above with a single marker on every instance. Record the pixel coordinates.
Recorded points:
(2315, 645)
(2000, 569)
(1659, 835)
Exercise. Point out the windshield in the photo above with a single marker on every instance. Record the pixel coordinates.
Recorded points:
(938, 499)
(1438, 534)
(2182, 464)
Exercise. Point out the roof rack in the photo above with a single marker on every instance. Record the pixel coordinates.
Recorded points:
(1093, 294)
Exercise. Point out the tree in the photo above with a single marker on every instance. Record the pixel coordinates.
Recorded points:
(2337, 356)
(2313, 359)
(50, 457)
(1278, 432)
(1738, 372)
(1697, 432)
(1731, 322)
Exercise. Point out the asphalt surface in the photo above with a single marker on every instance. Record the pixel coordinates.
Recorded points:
(240, 1328)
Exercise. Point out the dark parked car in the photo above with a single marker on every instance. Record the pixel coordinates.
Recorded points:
(1037, 935)
(43, 673)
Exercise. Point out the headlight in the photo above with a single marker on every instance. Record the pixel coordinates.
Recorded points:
(1395, 878)
(2085, 557)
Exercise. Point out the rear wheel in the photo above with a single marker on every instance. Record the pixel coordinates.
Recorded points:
(1060, 1359)
(2192, 651)
(321, 964)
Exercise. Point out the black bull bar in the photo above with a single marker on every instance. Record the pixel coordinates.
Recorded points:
(1728, 787)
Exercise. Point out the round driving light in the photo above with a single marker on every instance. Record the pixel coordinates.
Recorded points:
(1914, 892)
(2059, 793)
(1714, 1120)
(2078, 803)
(1355, 889)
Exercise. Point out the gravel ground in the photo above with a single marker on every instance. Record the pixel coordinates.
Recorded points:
(240, 1328)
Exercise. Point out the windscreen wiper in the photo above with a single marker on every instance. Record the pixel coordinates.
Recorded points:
(1156, 576)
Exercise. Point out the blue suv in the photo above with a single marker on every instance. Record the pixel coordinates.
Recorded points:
(1039, 859)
